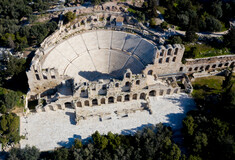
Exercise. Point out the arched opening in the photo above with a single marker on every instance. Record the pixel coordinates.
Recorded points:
(169, 52)
(226, 64)
(68, 105)
(117, 85)
(196, 68)
(111, 100)
(142, 96)
(162, 53)
(128, 75)
(134, 96)
(94, 102)
(160, 60)
(51, 107)
(37, 77)
(190, 69)
(220, 65)
(86, 103)
(207, 67)
(176, 91)
(214, 66)
(127, 97)
(176, 51)
(201, 68)
(119, 98)
(103, 101)
(181, 69)
(167, 60)
(161, 92)
(150, 72)
(127, 84)
(168, 91)
(79, 104)
(174, 58)
(138, 82)
(152, 93)
(59, 106)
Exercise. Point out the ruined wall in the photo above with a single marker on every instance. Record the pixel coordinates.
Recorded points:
(208, 64)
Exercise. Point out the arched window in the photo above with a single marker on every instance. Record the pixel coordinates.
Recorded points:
(150, 72)
(142, 96)
(127, 97)
(94, 102)
(181, 69)
(152, 93)
(103, 101)
(135, 96)
(138, 82)
(128, 75)
(167, 60)
(111, 100)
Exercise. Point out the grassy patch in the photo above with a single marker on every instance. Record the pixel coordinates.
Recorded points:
(203, 50)
(208, 85)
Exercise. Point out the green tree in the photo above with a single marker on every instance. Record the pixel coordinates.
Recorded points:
(229, 38)
(27, 153)
(213, 24)
(189, 126)
(191, 36)
(69, 17)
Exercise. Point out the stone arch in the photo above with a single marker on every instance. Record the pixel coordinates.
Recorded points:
(150, 72)
(142, 96)
(181, 69)
(117, 85)
(214, 66)
(128, 75)
(161, 92)
(94, 102)
(220, 65)
(50, 107)
(168, 91)
(196, 68)
(103, 101)
(152, 93)
(167, 59)
(111, 100)
(37, 77)
(169, 51)
(135, 96)
(79, 104)
(201, 68)
(127, 97)
(127, 83)
(190, 69)
(174, 58)
(176, 51)
(160, 60)
(207, 67)
(119, 98)
(226, 64)
(137, 82)
(162, 53)
(59, 106)
(86, 103)
(68, 105)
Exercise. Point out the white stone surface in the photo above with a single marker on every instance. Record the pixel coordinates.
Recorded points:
(47, 130)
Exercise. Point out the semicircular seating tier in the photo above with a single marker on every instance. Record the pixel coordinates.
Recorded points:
(100, 55)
